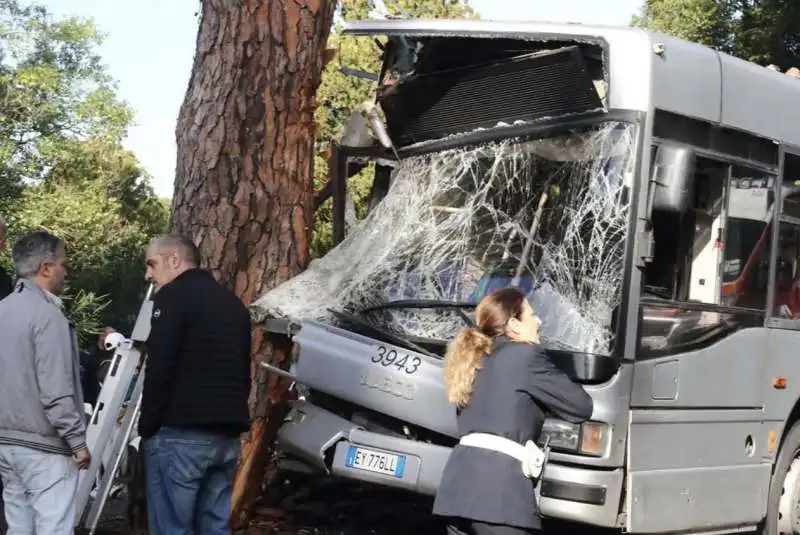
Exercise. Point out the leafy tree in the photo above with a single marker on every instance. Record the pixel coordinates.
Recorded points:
(340, 94)
(701, 21)
(768, 31)
(762, 31)
(104, 247)
(62, 164)
(52, 87)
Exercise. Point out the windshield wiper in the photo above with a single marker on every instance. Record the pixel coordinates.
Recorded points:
(385, 334)
(419, 303)
(425, 304)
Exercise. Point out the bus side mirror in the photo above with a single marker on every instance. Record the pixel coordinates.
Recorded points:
(672, 179)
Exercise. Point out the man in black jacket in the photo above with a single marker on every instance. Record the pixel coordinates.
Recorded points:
(6, 283)
(196, 386)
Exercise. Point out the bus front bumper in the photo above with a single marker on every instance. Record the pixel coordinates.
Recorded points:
(329, 444)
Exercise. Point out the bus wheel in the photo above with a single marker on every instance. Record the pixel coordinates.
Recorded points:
(783, 507)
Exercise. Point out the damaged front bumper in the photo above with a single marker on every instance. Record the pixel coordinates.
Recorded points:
(335, 446)
(329, 444)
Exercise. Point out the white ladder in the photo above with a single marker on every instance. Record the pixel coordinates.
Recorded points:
(103, 431)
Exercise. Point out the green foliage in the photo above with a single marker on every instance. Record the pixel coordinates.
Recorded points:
(85, 310)
(700, 21)
(63, 167)
(339, 94)
(762, 31)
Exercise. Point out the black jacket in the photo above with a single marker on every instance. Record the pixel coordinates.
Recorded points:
(198, 358)
(512, 390)
(6, 283)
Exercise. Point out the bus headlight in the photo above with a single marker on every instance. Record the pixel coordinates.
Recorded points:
(589, 438)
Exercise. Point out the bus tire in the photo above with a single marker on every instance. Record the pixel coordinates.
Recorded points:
(783, 504)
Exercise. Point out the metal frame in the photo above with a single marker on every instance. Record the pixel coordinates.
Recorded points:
(338, 172)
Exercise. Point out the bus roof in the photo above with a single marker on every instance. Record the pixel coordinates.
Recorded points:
(684, 78)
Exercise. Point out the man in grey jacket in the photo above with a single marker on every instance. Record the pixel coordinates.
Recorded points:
(42, 429)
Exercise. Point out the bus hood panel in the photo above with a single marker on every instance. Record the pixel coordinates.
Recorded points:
(376, 375)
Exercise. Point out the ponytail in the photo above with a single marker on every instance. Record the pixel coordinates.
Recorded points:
(462, 362)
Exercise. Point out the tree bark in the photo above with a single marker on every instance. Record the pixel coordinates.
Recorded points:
(243, 185)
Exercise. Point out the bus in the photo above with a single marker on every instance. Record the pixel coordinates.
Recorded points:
(647, 187)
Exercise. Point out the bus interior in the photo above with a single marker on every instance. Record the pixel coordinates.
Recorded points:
(710, 274)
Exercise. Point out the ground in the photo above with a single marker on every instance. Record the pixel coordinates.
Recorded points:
(332, 508)
(301, 506)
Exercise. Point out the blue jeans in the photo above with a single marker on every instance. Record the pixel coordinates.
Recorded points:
(38, 490)
(189, 481)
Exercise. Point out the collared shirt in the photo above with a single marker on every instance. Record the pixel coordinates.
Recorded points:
(57, 301)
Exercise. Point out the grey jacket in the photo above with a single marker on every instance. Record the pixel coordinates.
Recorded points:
(41, 403)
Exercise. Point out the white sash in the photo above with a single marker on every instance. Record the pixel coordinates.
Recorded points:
(531, 456)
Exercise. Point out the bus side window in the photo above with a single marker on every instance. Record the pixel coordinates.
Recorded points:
(787, 269)
(718, 251)
(748, 239)
(685, 262)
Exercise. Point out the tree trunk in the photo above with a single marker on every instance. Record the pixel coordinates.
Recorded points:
(243, 184)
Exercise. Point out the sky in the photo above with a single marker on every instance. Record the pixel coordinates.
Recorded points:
(149, 48)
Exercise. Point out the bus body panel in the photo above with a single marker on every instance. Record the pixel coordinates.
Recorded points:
(685, 79)
(758, 100)
(696, 435)
(782, 361)
(725, 375)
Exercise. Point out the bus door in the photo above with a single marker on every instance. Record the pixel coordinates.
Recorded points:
(697, 395)
(783, 360)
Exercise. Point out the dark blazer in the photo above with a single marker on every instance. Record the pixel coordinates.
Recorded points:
(517, 384)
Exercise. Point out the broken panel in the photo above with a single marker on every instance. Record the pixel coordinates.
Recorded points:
(546, 83)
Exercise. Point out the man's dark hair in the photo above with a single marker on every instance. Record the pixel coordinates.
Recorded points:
(34, 249)
(186, 247)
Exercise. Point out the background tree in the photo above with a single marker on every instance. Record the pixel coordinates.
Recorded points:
(761, 31)
(243, 188)
(62, 164)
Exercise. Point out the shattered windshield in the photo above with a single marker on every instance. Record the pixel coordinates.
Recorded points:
(459, 223)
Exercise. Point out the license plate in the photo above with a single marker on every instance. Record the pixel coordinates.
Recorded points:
(378, 462)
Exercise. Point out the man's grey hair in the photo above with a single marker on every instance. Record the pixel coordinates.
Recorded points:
(2, 223)
(34, 249)
(186, 248)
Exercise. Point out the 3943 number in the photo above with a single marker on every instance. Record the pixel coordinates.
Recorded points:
(402, 361)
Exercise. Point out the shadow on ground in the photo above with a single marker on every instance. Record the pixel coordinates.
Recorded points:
(330, 508)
